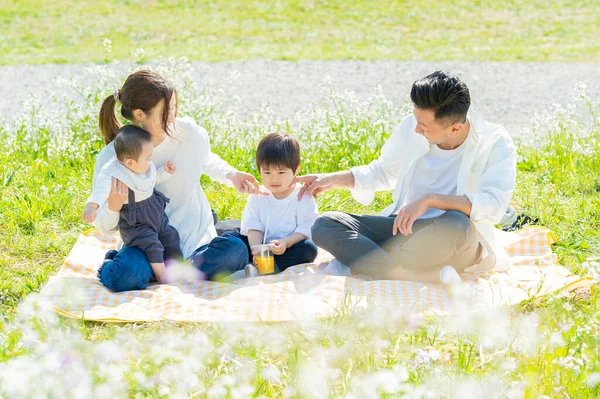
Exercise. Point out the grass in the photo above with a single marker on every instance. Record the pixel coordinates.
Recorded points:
(548, 348)
(44, 31)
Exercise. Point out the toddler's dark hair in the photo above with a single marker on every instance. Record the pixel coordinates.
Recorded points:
(130, 141)
(278, 149)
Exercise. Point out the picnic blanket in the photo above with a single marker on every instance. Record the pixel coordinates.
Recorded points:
(303, 291)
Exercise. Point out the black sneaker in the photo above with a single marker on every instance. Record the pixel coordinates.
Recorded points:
(522, 221)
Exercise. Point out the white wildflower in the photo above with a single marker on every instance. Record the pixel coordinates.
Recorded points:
(570, 363)
(139, 54)
(271, 373)
(592, 267)
(557, 340)
(426, 356)
(593, 380)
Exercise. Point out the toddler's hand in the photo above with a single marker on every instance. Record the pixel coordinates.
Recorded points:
(279, 247)
(169, 167)
(89, 214)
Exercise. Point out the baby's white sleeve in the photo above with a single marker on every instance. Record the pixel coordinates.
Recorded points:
(100, 189)
(162, 175)
(251, 216)
(307, 214)
(106, 220)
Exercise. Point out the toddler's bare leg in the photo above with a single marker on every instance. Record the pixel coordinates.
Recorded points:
(160, 272)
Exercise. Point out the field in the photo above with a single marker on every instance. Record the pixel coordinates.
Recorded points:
(544, 348)
(547, 347)
(44, 31)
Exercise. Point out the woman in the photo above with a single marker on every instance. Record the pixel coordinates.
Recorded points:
(148, 100)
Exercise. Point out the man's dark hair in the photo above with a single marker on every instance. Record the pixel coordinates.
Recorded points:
(278, 149)
(444, 94)
(130, 141)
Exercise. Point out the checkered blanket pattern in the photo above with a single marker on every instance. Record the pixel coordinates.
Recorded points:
(303, 291)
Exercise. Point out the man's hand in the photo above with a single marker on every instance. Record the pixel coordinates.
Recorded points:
(245, 183)
(408, 214)
(118, 195)
(314, 184)
(169, 167)
(279, 247)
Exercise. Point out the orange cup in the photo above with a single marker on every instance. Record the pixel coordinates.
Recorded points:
(264, 259)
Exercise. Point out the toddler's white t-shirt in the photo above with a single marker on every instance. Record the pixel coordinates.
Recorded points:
(284, 217)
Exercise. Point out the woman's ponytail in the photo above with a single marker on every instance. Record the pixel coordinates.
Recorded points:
(142, 90)
(109, 124)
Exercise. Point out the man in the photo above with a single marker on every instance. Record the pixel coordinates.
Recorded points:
(453, 175)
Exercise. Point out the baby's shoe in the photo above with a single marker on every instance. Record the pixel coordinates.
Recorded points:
(250, 270)
(235, 276)
(449, 275)
(337, 268)
(110, 255)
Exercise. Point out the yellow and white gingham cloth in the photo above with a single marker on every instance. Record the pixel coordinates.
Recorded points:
(302, 291)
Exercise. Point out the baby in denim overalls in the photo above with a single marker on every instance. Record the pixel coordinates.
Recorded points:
(143, 222)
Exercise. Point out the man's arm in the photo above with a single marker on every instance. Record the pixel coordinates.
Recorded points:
(316, 184)
(496, 184)
(364, 181)
(417, 208)
(450, 203)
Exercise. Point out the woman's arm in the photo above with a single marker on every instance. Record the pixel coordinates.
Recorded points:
(216, 168)
(220, 171)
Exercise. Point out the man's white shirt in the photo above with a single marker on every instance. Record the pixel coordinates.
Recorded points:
(435, 172)
(486, 176)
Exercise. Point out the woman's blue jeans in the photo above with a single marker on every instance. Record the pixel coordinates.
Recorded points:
(130, 269)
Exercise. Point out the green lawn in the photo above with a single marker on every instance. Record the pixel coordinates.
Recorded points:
(45, 31)
(545, 348)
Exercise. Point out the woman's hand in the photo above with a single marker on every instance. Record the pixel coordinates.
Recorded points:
(245, 183)
(118, 195)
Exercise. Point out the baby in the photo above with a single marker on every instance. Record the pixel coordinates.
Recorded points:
(284, 219)
(143, 222)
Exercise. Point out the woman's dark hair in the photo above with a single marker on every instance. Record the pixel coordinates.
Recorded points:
(443, 93)
(130, 141)
(278, 149)
(142, 90)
